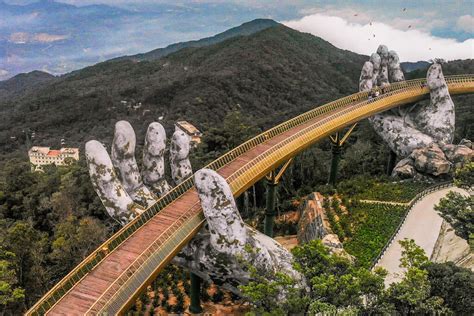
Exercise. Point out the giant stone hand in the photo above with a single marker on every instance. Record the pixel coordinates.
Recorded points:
(217, 251)
(420, 135)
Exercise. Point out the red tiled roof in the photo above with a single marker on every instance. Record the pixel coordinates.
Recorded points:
(54, 153)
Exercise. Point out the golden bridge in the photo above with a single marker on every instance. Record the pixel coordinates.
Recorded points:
(110, 279)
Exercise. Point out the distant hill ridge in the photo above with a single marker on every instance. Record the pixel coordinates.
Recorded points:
(23, 83)
(244, 29)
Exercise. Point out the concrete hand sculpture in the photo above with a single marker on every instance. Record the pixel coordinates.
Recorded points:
(421, 135)
(217, 251)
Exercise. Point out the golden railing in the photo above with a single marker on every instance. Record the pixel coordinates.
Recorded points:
(346, 111)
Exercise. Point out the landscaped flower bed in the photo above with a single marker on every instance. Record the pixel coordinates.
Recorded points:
(372, 227)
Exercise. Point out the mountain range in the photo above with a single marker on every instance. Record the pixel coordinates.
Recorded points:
(267, 71)
(57, 37)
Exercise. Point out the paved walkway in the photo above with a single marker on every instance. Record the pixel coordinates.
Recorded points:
(423, 224)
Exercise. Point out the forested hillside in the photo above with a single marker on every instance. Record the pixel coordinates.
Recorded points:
(23, 84)
(270, 76)
(247, 28)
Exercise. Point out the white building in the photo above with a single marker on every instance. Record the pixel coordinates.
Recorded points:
(40, 156)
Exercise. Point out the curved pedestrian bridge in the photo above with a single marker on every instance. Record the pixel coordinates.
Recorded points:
(108, 280)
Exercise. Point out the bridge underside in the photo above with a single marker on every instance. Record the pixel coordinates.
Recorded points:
(111, 278)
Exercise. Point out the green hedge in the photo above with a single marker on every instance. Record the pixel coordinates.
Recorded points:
(381, 189)
(372, 227)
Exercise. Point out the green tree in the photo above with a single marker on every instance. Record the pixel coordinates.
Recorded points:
(236, 129)
(73, 240)
(335, 285)
(412, 255)
(454, 284)
(29, 247)
(458, 210)
(412, 295)
(265, 288)
(335, 281)
(465, 176)
(11, 295)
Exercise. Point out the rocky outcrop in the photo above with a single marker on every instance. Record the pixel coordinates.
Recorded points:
(404, 169)
(311, 224)
(450, 247)
(335, 246)
(433, 160)
(421, 136)
(430, 160)
(458, 155)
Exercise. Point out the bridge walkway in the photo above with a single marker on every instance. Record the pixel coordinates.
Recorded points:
(100, 281)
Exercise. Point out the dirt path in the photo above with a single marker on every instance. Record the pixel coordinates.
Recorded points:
(423, 224)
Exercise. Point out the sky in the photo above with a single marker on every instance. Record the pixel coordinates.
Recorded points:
(62, 36)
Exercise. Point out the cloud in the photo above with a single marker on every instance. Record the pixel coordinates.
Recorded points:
(3, 73)
(425, 20)
(410, 44)
(23, 38)
(19, 38)
(466, 23)
(48, 38)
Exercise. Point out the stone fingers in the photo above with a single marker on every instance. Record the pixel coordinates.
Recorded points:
(395, 72)
(153, 159)
(118, 203)
(382, 79)
(123, 158)
(366, 81)
(437, 119)
(179, 156)
(228, 232)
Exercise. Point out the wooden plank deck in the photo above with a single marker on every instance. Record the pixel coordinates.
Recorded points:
(87, 291)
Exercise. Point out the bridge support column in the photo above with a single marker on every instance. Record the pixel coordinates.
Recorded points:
(392, 158)
(272, 182)
(336, 156)
(270, 205)
(195, 293)
(337, 143)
